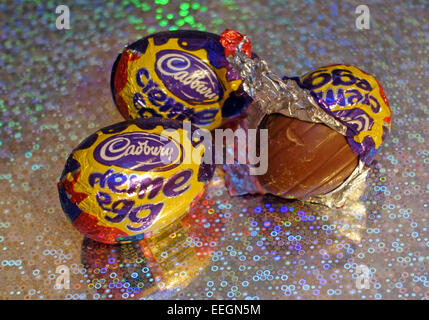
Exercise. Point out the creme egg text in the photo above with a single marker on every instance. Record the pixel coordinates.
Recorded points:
(141, 186)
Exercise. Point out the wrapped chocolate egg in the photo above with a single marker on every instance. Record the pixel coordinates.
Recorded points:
(132, 179)
(324, 129)
(181, 75)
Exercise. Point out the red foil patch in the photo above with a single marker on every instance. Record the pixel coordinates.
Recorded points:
(230, 39)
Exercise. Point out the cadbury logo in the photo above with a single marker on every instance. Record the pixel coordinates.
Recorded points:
(139, 151)
(187, 77)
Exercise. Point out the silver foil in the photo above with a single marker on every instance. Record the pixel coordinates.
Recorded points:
(351, 189)
(271, 94)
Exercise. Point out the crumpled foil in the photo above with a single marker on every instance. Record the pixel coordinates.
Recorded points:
(272, 94)
(338, 196)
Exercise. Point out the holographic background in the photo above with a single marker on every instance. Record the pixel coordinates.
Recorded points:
(54, 92)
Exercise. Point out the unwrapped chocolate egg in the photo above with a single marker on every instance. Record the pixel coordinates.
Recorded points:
(132, 179)
(304, 158)
(181, 75)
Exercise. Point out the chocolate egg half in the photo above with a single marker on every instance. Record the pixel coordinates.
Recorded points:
(304, 159)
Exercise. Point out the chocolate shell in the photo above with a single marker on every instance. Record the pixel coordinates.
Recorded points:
(304, 159)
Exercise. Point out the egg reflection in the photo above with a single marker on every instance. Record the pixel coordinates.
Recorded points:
(306, 230)
(160, 266)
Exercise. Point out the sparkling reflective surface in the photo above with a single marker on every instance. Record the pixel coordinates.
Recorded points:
(55, 91)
